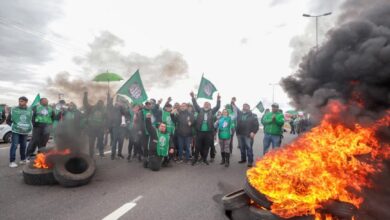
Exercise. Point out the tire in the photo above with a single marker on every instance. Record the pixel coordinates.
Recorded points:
(235, 200)
(261, 214)
(74, 170)
(8, 137)
(155, 163)
(256, 196)
(340, 209)
(38, 177)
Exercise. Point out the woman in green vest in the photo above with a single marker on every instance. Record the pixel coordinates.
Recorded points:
(20, 120)
(224, 124)
(160, 145)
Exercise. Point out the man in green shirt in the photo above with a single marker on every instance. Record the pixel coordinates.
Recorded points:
(273, 127)
(204, 127)
(42, 120)
(2, 114)
(20, 120)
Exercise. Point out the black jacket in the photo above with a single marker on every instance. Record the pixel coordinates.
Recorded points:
(182, 119)
(210, 115)
(246, 123)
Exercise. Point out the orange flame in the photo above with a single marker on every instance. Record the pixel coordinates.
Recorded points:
(40, 161)
(318, 166)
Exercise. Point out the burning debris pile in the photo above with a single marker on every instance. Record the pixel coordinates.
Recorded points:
(66, 164)
(340, 168)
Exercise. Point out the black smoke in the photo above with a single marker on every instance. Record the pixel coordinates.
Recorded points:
(353, 65)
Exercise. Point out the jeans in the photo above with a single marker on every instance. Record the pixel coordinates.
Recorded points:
(268, 139)
(184, 143)
(246, 147)
(118, 139)
(18, 139)
(96, 133)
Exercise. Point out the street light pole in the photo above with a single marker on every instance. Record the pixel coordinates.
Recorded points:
(273, 91)
(316, 17)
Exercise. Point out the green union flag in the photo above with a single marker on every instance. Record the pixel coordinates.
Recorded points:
(260, 107)
(206, 89)
(134, 89)
(36, 101)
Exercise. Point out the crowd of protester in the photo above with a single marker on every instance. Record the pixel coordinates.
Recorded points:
(180, 132)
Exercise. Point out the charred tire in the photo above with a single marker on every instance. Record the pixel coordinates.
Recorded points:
(74, 170)
(256, 196)
(235, 200)
(261, 214)
(340, 209)
(38, 177)
(155, 163)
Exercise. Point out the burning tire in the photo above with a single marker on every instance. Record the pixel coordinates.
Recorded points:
(37, 176)
(74, 170)
(340, 209)
(235, 200)
(155, 163)
(261, 214)
(256, 196)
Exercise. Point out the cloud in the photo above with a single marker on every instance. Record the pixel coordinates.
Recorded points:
(23, 25)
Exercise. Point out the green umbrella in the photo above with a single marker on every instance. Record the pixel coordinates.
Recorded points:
(107, 77)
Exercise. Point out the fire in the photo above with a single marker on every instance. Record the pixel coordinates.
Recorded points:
(41, 158)
(320, 165)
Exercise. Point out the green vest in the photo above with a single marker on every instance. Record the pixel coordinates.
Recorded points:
(162, 144)
(224, 129)
(21, 120)
(43, 114)
(166, 118)
(1, 112)
(96, 118)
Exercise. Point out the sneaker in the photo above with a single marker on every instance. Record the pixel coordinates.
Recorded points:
(121, 156)
(27, 160)
(13, 165)
(242, 161)
(22, 162)
(250, 165)
(205, 162)
(179, 161)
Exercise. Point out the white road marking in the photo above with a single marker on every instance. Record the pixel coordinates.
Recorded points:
(122, 210)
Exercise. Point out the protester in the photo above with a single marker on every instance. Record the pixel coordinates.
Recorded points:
(204, 128)
(20, 120)
(224, 126)
(136, 131)
(147, 109)
(273, 127)
(233, 116)
(247, 127)
(119, 129)
(97, 119)
(184, 123)
(42, 119)
(2, 114)
(160, 142)
(292, 124)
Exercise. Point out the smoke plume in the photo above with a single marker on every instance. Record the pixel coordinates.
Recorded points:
(352, 65)
(105, 54)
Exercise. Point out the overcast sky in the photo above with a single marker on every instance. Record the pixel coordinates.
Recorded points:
(241, 46)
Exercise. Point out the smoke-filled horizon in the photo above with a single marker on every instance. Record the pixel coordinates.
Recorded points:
(351, 66)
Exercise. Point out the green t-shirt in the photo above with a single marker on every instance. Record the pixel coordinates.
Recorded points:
(162, 144)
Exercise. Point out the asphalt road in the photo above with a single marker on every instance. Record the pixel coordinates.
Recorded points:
(177, 192)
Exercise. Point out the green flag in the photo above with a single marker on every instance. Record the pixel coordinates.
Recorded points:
(260, 107)
(36, 101)
(134, 89)
(206, 89)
